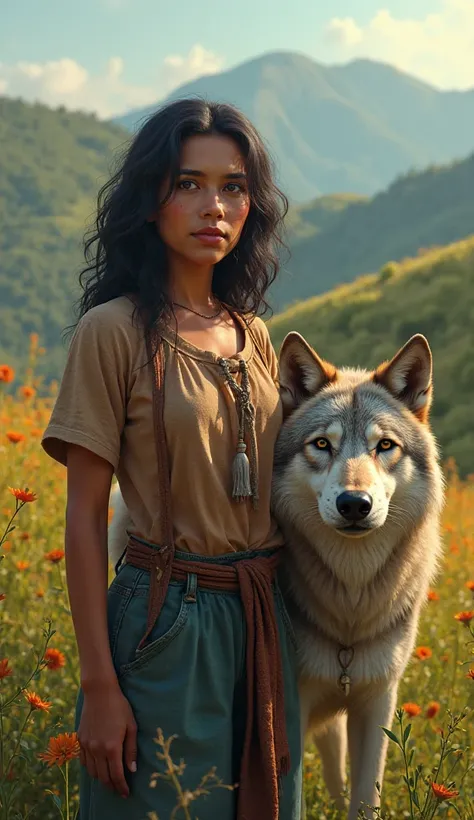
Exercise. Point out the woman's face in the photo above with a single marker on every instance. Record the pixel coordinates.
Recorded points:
(210, 193)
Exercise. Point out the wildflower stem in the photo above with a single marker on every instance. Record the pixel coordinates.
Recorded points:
(66, 780)
(17, 746)
(8, 530)
(61, 583)
(455, 668)
(405, 760)
(49, 634)
(2, 746)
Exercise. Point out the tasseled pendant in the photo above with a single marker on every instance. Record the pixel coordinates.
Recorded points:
(241, 474)
(244, 469)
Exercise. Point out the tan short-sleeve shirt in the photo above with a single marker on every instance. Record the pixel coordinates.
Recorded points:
(105, 404)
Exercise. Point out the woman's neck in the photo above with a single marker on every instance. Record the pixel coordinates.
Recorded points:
(192, 288)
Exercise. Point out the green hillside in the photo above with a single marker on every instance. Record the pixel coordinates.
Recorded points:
(419, 210)
(52, 164)
(339, 128)
(319, 215)
(365, 322)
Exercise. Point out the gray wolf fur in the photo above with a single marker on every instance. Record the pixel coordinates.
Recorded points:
(358, 492)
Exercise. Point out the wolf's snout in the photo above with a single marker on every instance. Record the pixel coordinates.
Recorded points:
(354, 505)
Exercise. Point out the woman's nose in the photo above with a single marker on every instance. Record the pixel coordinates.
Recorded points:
(212, 204)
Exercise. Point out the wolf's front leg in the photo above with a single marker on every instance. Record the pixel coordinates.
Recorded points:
(368, 748)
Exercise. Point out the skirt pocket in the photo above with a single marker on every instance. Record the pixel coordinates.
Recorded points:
(170, 623)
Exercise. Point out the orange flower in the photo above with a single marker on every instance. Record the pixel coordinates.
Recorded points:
(55, 556)
(470, 585)
(433, 709)
(7, 374)
(34, 339)
(432, 595)
(442, 793)
(2, 596)
(470, 674)
(423, 653)
(54, 659)
(25, 496)
(61, 749)
(15, 438)
(22, 565)
(39, 593)
(411, 709)
(36, 432)
(27, 392)
(465, 617)
(6, 546)
(36, 703)
(5, 670)
(25, 536)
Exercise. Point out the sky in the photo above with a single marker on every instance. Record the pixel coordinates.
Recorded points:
(111, 56)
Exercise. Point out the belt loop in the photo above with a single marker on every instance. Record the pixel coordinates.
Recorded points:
(120, 561)
(191, 587)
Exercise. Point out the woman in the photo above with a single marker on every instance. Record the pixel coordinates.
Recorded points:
(171, 383)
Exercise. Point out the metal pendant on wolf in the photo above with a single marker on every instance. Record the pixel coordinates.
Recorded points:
(358, 493)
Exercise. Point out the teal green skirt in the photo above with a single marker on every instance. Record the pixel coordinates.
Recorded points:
(189, 680)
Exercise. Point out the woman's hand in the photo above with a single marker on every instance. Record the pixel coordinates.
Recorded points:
(108, 737)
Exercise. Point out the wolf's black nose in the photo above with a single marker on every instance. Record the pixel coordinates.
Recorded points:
(354, 505)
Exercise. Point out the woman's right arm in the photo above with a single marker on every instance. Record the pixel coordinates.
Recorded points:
(107, 730)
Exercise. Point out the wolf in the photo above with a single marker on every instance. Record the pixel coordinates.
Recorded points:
(358, 492)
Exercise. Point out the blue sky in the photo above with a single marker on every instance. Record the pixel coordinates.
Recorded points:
(113, 55)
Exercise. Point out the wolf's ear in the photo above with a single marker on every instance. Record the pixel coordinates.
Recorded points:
(302, 372)
(408, 376)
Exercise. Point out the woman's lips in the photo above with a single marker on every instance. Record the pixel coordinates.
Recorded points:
(208, 238)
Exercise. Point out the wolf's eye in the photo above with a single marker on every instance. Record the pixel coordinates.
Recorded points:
(321, 444)
(385, 444)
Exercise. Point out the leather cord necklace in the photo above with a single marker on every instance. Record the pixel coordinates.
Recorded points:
(203, 315)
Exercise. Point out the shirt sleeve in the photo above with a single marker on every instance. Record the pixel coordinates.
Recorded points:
(90, 407)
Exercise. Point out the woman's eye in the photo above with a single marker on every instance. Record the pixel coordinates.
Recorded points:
(186, 182)
(238, 188)
(321, 444)
(385, 444)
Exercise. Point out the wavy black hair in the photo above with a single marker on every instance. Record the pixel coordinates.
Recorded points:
(125, 253)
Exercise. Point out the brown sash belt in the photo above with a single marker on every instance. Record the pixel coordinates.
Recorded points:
(266, 754)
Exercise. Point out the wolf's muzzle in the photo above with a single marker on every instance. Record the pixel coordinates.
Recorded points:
(354, 505)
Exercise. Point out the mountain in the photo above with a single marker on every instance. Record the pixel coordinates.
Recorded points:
(339, 128)
(52, 164)
(365, 322)
(416, 211)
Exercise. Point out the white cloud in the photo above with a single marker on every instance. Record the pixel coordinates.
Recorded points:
(67, 82)
(344, 31)
(438, 48)
(178, 70)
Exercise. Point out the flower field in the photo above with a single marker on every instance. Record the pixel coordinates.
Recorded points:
(430, 771)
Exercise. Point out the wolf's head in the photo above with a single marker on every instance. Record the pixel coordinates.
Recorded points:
(355, 453)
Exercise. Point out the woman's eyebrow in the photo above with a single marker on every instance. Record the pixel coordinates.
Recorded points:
(193, 173)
